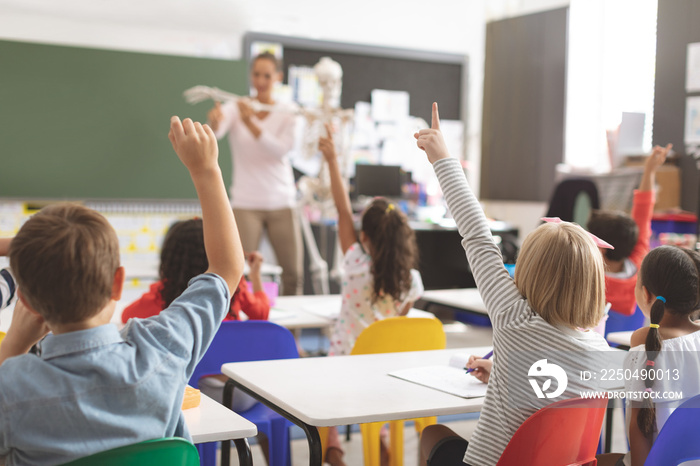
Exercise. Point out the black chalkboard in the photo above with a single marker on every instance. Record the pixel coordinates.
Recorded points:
(86, 123)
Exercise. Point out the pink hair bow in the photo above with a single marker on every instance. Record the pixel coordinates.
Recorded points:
(598, 242)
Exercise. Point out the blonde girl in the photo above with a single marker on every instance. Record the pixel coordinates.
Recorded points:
(558, 290)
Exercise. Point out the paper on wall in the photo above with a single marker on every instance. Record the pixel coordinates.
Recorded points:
(692, 70)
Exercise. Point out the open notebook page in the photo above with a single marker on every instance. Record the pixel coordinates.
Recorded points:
(451, 379)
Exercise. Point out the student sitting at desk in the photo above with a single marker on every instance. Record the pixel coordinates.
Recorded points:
(667, 292)
(182, 257)
(379, 280)
(559, 288)
(91, 387)
(629, 236)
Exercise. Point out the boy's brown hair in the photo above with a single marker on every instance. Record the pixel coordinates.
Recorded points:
(64, 259)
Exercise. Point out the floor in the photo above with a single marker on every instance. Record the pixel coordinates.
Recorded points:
(458, 335)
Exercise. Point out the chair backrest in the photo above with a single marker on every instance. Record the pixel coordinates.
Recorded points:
(564, 433)
(251, 340)
(398, 334)
(567, 204)
(619, 322)
(677, 442)
(170, 451)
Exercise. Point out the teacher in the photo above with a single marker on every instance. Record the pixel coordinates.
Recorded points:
(263, 195)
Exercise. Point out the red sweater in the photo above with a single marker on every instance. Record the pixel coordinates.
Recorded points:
(255, 305)
(620, 291)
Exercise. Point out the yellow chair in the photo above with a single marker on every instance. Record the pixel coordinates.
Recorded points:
(395, 335)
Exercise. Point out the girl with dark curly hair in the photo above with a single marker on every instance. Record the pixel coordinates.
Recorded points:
(182, 258)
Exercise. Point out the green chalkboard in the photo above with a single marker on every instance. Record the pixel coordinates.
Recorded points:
(85, 123)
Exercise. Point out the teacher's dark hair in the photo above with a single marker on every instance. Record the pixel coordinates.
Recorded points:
(271, 57)
(393, 249)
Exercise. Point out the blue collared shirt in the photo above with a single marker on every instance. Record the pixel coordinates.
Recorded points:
(97, 389)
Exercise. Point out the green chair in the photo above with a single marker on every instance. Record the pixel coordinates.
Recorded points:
(170, 451)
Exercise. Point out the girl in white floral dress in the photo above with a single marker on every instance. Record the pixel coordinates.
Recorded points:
(379, 280)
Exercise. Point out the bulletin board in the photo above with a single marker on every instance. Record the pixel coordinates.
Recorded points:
(427, 76)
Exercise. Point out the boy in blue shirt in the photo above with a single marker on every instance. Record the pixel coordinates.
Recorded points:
(92, 388)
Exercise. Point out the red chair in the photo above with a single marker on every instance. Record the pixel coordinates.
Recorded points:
(565, 433)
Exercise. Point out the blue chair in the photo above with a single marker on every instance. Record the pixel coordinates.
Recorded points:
(619, 323)
(677, 442)
(250, 341)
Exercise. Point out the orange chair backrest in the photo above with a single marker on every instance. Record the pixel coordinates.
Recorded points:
(398, 334)
(565, 433)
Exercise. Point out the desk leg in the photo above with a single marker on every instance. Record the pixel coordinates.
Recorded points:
(226, 444)
(608, 425)
(314, 439)
(245, 457)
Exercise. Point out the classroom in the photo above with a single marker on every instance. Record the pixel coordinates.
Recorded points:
(378, 233)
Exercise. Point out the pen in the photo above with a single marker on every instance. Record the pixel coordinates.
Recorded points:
(487, 356)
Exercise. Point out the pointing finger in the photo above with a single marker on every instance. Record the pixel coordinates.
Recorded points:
(329, 131)
(436, 117)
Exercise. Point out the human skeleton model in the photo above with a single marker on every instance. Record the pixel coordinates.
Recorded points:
(315, 191)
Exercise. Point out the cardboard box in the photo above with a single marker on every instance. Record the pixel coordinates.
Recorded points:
(668, 184)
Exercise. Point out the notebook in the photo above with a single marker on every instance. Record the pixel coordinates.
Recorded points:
(451, 379)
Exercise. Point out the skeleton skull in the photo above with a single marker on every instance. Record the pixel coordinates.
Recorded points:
(330, 78)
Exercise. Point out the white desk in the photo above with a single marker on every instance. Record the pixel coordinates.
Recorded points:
(327, 307)
(293, 312)
(319, 392)
(620, 338)
(213, 422)
(324, 306)
(466, 299)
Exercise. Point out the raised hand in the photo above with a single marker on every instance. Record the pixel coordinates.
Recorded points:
(657, 157)
(431, 140)
(195, 145)
(655, 160)
(326, 144)
(255, 260)
(215, 116)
